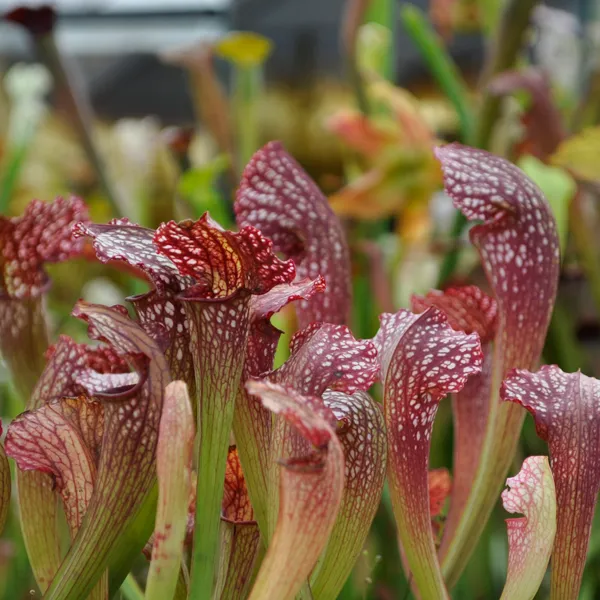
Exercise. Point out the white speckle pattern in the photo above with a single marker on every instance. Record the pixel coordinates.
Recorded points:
(277, 197)
(422, 360)
(165, 320)
(127, 242)
(159, 312)
(266, 305)
(469, 310)
(222, 262)
(566, 410)
(361, 430)
(308, 414)
(518, 244)
(325, 356)
(43, 234)
(252, 421)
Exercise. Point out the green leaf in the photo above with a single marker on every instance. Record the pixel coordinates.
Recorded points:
(199, 187)
(558, 187)
(441, 66)
(579, 154)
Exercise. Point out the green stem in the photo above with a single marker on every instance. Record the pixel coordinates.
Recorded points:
(218, 370)
(562, 342)
(215, 427)
(383, 12)
(505, 50)
(450, 80)
(10, 175)
(450, 262)
(442, 67)
(131, 589)
(247, 87)
(358, 85)
(585, 245)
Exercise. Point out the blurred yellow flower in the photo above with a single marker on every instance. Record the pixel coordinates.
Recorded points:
(243, 48)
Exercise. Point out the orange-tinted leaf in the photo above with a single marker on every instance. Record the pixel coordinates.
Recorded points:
(440, 486)
(361, 134)
(159, 311)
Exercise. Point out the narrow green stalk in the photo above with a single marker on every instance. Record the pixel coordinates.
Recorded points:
(442, 67)
(450, 80)
(586, 247)
(353, 18)
(131, 590)
(218, 370)
(247, 88)
(10, 175)
(562, 344)
(214, 427)
(358, 86)
(383, 12)
(504, 52)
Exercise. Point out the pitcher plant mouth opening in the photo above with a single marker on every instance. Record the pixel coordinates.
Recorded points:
(226, 365)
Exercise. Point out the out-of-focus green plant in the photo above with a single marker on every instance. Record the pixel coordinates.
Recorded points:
(26, 88)
(246, 52)
(198, 186)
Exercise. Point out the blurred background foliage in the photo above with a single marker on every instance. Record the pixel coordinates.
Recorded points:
(150, 109)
